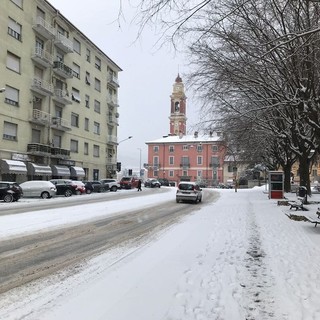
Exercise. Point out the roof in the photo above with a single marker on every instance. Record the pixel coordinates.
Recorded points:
(187, 139)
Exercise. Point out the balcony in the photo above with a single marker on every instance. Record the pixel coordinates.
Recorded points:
(42, 57)
(113, 80)
(112, 139)
(185, 165)
(40, 86)
(112, 102)
(62, 70)
(60, 124)
(39, 117)
(113, 120)
(44, 28)
(63, 43)
(39, 149)
(62, 96)
(111, 160)
(60, 153)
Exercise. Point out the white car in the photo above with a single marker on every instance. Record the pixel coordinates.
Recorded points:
(113, 184)
(38, 189)
(189, 191)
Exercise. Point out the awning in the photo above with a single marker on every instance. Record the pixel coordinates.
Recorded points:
(77, 172)
(38, 170)
(62, 171)
(13, 166)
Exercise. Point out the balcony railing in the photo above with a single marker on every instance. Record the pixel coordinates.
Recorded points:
(112, 101)
(42, 56)
(60, 124)
(60, 68)
(60, 153)
(62, 96)
(63, 43)
(185, 165)
(113, 80)
(40, 117)
(43, 27)
(41, 86)
(112, 139)
(113, 120)
(38, 148)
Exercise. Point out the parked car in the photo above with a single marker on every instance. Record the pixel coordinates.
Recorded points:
(64, 187)
(189, 191)
(38, 188)
(10, 191)
(95, 186)
(152, 183)
(129, 182)
(164, 182)
(113, 184)
(79, 186)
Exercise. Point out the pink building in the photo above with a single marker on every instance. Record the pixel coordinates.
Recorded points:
(178, 156)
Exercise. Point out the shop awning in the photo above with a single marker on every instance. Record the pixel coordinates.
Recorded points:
(62, 171)
(38, 170)
(13, 166)
(77, 172)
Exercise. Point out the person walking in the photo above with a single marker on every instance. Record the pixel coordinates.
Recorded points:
(139, 185)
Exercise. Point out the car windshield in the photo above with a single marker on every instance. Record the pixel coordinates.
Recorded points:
(126, 179)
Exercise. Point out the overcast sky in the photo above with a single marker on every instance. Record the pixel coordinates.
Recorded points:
(147, 77)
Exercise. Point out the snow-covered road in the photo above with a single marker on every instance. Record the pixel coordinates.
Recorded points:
(237, 258)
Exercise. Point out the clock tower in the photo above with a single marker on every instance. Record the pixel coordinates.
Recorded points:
(178, 117)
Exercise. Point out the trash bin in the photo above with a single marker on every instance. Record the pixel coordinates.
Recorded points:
(302, 192)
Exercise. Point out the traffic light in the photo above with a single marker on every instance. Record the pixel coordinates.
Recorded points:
(118, 166)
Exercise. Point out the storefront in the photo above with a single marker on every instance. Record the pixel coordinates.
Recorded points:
(38, 172)
(77, 173)
(59, 172)
(13, 170)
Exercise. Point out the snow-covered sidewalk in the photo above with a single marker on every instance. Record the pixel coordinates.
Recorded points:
(238, 258)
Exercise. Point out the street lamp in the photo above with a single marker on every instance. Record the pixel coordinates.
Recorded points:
(125, 139)
(140, 162)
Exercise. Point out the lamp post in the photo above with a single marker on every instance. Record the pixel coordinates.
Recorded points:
(130, 137)
(140, 162)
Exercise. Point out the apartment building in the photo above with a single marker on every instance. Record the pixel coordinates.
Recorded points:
(59, 97)
(182, 157)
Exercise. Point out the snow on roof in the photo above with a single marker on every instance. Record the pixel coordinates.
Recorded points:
(187, 139)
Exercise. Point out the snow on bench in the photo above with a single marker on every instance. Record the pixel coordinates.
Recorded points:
(298, 205)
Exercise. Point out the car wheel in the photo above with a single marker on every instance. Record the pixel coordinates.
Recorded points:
(78, 192)
(68, 193)
(113, 189)
(102, 190)
(8, 198)
(45, 195)
(177, 201)
(88, 191)
(200, 199)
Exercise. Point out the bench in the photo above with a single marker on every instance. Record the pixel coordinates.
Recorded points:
(298, 205)
(313, 219)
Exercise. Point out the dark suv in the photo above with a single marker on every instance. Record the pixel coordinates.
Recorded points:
(10, 191)
(64, 187)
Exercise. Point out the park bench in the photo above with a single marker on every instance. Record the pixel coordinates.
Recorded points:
(298, 205)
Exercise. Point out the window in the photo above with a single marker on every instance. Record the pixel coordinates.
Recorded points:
(97, 84)
(96, 128)
(199, 160)
(19, 3)
(12, 96)
(232, 169)
(171, 173)
(199, 147)
(62, 31)
(13, 62)
(199, 173)
(156, 149)
(14, 29)
(76, 95)
(75, 120)
(88, 55)
(10, 131)
(76, 70)
(171, 160)
(156, 161)
(87, 101)
(76, 46)
(185, 147)
(214, 148)
(86, 124)
(171, 148)
(86, 148)
(97, 63)
(73, 145)
(57, 141)
(185, 161)
(88, 81)
(214, 162)
(96, 151)
(35, 136)
(96, 106)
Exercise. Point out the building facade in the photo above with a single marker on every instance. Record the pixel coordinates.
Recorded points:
(181, 157)
(59, 105)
